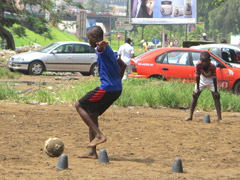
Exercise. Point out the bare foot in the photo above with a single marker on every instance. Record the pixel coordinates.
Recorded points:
(219, 120)
(97, 140)
(89, 155)
(188, 119)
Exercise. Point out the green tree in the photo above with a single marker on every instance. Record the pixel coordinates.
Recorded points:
(226, 17)
(91, 5)
(15, 12)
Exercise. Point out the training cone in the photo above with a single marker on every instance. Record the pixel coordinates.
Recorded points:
(62, 162)
(103, 157)
(206, 118)
(177, 166)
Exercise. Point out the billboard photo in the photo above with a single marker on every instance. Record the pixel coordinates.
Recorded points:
(163, 12)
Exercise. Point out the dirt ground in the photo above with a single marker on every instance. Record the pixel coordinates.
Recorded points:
(142, 144)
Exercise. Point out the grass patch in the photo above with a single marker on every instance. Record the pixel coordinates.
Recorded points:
(7, 93)
(31, 37)
(136, 92)
(5, 73)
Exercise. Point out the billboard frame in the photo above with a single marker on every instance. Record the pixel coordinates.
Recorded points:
(158, 17)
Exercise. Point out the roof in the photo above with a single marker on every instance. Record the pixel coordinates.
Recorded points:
(233, 46)
(72, 42)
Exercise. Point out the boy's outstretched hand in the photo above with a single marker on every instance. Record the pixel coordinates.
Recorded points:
(101, 45)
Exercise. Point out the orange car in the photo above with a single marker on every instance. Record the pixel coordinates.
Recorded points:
(179, 64)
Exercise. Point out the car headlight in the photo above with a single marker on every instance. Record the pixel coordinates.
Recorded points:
(17, 59)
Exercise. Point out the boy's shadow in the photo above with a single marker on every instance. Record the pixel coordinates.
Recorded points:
(147, 160)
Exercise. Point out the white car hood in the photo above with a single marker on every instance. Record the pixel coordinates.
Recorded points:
(235, 65)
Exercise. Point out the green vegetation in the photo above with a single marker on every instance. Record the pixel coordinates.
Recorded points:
(30, 38)
(55, 35)
(8, 93)
(5, 73)
(136, 92)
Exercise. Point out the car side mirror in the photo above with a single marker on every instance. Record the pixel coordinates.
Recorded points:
(54, 51)
(220, 65)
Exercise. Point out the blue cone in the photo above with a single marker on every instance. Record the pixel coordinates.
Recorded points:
(206, 118)
(103, 157)
(62, 162)
(177, 166)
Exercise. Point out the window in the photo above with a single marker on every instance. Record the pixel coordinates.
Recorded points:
(215, 62)
(176, 57)
(230, 55)
(195, 57)
(80, 48)
(159, 58)
(65, 49)
(213, 50)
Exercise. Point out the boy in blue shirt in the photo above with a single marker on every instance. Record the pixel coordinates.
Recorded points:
(97, 101)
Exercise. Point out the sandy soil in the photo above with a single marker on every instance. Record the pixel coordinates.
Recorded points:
(142, 144)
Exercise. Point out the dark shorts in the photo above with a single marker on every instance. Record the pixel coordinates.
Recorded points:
(98, 100)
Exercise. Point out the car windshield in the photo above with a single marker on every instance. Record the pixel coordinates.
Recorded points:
(48, 47)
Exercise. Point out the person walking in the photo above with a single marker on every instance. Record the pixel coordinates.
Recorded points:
(126, 52)
(204, 37)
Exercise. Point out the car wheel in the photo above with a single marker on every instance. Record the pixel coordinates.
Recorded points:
(157, 76)
(36, 68)
(94, 70)
(12, 70)
(236, 88)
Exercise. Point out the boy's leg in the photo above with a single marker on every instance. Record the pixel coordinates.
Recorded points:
(216, 97)
(92, 153)
(99, 137)
(125, 76)
(193, 104)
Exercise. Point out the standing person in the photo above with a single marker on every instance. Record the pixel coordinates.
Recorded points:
(126, 52)
(205, 77)
(204, 37)
(97, 101)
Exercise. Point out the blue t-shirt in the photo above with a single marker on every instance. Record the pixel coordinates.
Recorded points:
(109, 70)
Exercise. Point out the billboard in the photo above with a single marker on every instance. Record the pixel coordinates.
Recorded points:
(163, 12)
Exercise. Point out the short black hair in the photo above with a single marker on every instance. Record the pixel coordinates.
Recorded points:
(128, 40)
(205, 55)
(96, 31)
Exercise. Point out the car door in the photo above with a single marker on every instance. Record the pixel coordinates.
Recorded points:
(60, 59)
(83, 57)
(176, 65)
(223, 75)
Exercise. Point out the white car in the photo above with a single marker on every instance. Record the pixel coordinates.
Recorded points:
(66, 56)
(228, 52)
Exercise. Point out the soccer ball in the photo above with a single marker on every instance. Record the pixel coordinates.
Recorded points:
(53, 147)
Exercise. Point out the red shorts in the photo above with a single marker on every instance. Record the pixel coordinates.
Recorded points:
(98, 100)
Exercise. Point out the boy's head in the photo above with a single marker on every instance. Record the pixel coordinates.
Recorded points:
(205, 58)
(95, 34)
